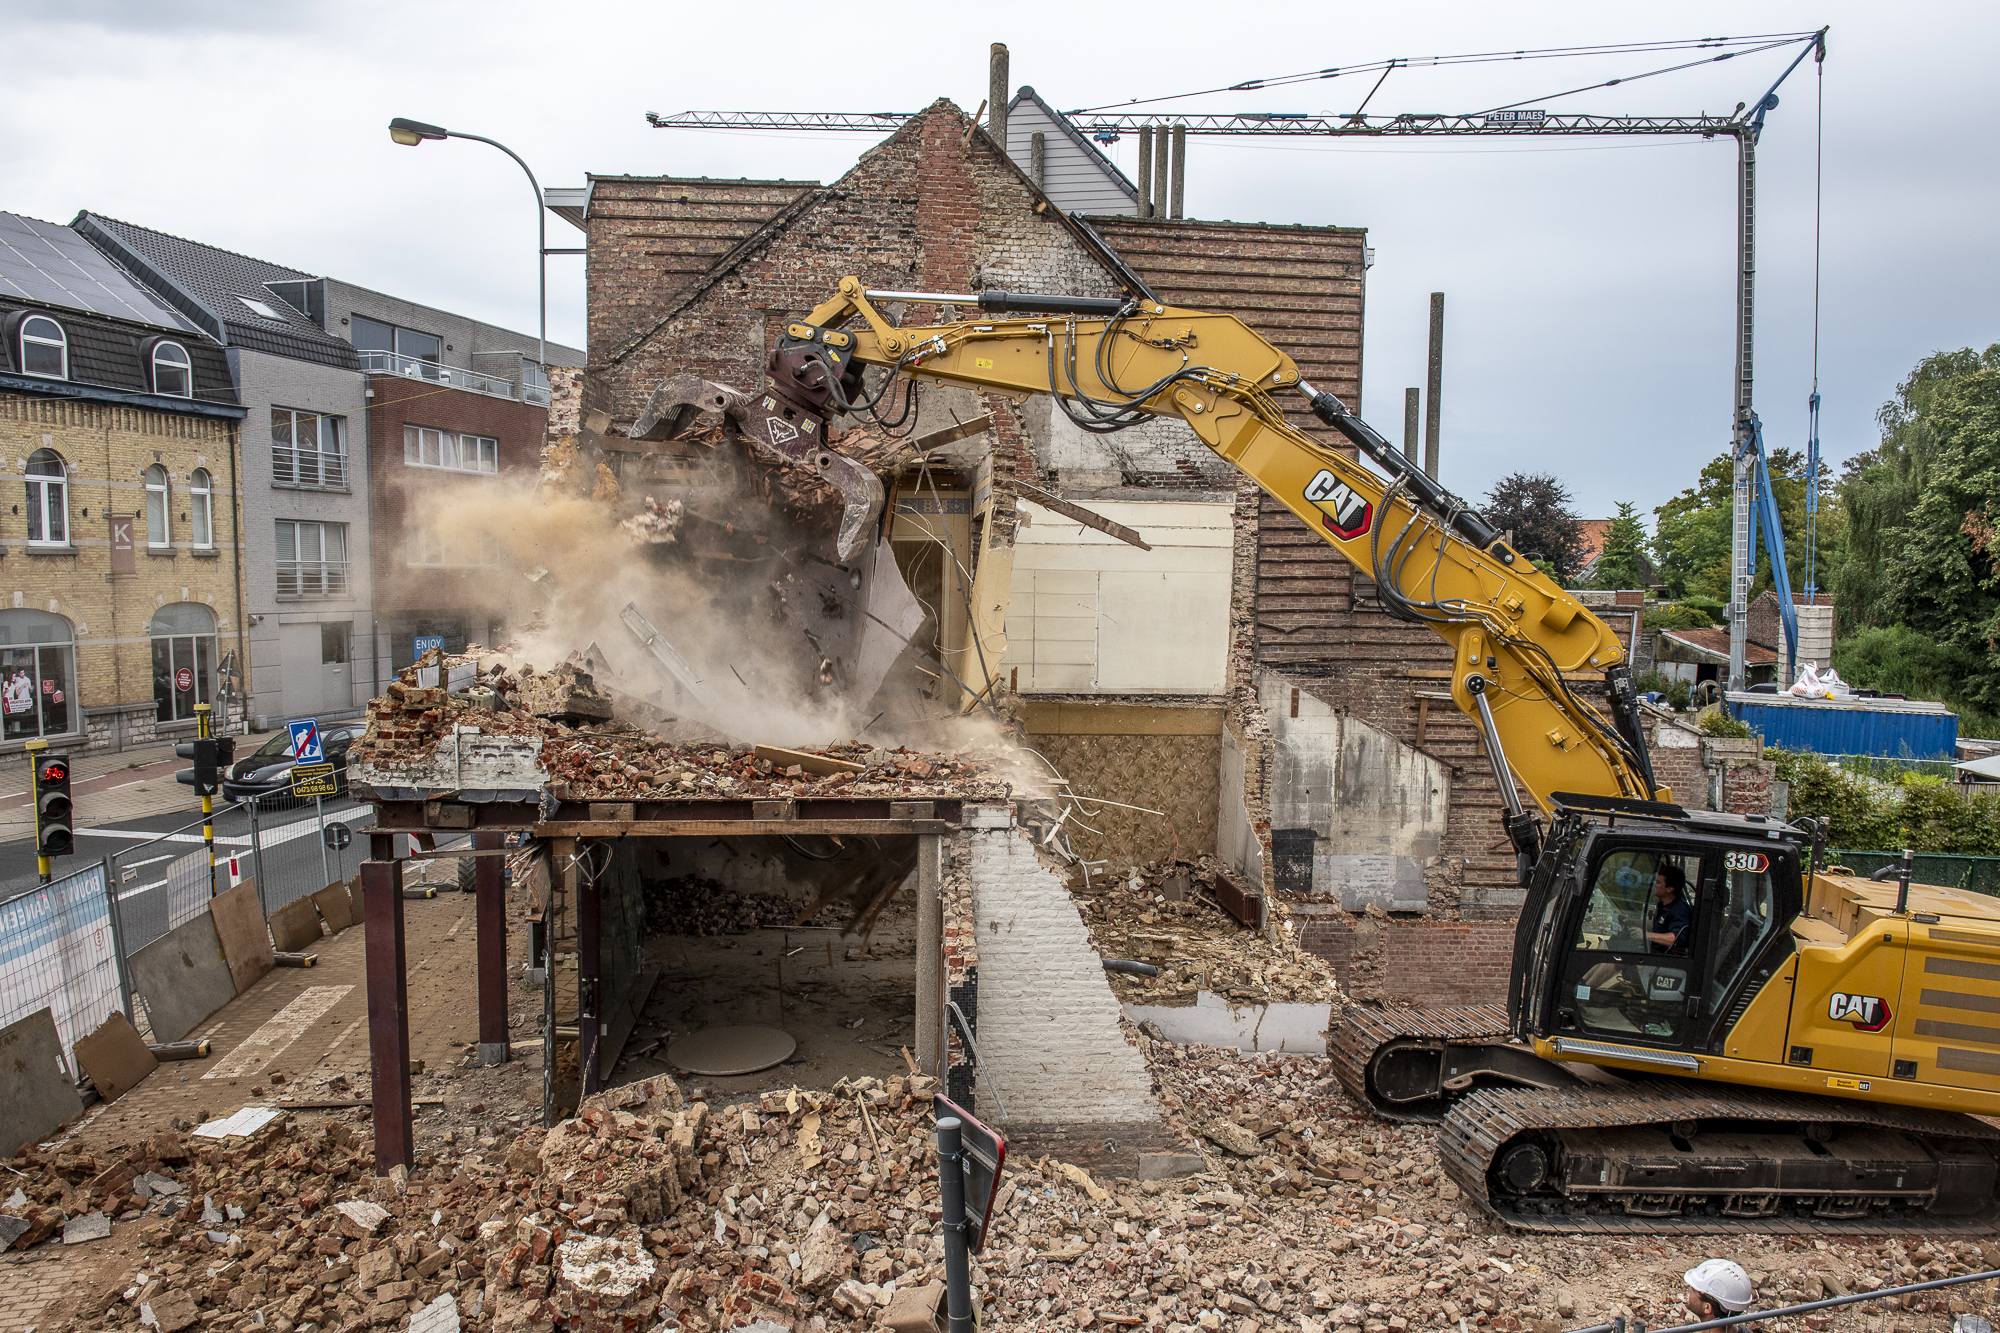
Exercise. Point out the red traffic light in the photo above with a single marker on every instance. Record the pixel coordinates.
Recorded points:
(55, 772)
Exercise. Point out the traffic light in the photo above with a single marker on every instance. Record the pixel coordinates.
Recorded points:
(53, 818)
(203, 776)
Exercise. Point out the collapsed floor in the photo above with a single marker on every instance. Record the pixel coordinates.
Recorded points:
(814, 1207)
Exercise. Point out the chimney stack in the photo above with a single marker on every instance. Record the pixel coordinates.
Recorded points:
(1180, 172)
(1145, 171)
(1436, 386)
(1162, 169)
(996, 96)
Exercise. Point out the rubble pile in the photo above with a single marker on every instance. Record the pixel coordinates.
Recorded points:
(817, 1210)
(699, 905)
(609, 760)
(1165, 913)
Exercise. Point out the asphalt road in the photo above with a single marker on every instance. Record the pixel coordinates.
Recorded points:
(290, 840)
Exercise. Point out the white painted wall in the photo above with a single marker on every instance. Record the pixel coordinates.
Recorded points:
(1073, 179)
(1376, 806)
(1048, 1022)
(1090, 614)
(1236, 841)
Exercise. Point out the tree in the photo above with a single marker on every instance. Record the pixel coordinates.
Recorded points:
(1622, 562)
(1691, 534)
(1535, 507)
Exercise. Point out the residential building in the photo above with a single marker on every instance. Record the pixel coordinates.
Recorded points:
(119, 422)
(353, 395)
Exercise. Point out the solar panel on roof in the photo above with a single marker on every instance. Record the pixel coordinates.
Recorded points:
(40, 261)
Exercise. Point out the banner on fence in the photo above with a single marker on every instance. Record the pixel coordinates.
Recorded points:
(56, 950)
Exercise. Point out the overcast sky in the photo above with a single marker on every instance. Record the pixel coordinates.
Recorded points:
(1589, 285)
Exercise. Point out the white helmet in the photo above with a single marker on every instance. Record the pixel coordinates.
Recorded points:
(1723, 1282)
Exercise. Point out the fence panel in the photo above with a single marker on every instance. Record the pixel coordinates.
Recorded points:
(1976, 874)
(56, 950)
(288, 856)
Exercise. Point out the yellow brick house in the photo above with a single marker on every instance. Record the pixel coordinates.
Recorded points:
(120, 566)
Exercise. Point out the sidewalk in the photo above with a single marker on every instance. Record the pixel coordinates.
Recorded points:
(111, 788)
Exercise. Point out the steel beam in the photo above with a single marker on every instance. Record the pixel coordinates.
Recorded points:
(492, 932)
(388, 1007)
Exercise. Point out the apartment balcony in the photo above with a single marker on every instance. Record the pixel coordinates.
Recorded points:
(410, 367)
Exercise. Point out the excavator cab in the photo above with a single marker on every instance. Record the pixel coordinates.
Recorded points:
(1653, 932)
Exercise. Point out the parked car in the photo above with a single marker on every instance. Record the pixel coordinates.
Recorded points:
(267, 772)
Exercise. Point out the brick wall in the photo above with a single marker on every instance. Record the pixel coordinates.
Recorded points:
(108, 449)
(1048, 1022)
(1395, 960)
(395, 485)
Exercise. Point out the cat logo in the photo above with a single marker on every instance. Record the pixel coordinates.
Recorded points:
(1868, 1013)
(1344, 513)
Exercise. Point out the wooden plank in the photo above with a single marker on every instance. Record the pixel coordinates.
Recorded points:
(115, 1057)
(1067, 718)
(734, 828)
(820, 764)
(245, 939)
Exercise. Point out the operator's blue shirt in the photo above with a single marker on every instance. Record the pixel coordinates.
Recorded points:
(1677, 917)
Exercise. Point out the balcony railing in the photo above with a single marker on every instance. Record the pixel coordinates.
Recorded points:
(308, 467)
(312, 578)
(416, 368)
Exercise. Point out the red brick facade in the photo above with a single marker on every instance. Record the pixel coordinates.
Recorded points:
(1399, 961)
(414, 598)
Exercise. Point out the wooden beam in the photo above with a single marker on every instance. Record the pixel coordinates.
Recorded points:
(938, 439)
(1083, 516)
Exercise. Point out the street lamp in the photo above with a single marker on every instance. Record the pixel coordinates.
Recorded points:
(410, 133)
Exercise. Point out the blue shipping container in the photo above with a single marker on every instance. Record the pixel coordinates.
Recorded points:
(1890, 728)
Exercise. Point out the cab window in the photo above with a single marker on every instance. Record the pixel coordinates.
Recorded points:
(1629, 977)
(1745, 915)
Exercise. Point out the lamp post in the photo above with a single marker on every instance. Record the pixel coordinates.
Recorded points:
(413, 132)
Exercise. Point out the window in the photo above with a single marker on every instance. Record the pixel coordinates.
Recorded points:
(44, 348)
(263, 308)
(429, 548)
(333, 636)
(48, 499)
(1630, 958)
(201, 506)
(409, 352)
(173, 373)
(424, 447)
(157, 535)
(312, 559)
(306, 450)
(183, 659)
(37, 671)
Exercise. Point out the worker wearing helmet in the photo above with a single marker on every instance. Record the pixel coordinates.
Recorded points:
(1718, 1288)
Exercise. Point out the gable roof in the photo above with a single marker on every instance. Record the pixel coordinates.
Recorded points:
(1711, 643)
(804, 203)
(209, 285)
(1076, 174)
(48, 263)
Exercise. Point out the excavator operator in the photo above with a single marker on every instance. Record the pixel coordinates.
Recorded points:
(1672, 917)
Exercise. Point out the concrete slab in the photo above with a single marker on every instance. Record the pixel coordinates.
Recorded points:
(37, 1093)
(115, 1057)
(246, 939)
(295, 926)
(183, 978)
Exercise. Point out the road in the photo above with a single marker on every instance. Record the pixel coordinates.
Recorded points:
(290, 840)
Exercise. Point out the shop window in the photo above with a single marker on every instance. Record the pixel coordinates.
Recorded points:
(37, 675)
(183, 659)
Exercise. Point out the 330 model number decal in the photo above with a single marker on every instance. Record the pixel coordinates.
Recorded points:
(1344, 513)
(1755, 863)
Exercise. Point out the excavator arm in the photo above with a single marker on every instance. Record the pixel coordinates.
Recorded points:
(1519, 642)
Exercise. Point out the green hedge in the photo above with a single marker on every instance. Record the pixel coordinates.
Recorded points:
(1909, 810)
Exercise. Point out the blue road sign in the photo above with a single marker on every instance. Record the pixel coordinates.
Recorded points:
(426, 642)
(305, 741)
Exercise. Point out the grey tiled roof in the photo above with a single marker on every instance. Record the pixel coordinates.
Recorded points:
(209, 284)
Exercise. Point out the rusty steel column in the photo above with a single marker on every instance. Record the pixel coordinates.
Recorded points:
(589, 971)
(388, 1005)
(492, 934)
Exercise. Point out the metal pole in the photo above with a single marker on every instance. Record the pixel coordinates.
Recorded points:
(257, 859)
(44, 868)
(319, 811)
(490, 932)
(957, 1252)
(1740, 571)
(1903, 881)
(1434, 387)
(388, 1005)
(541, 232)
(118, 939)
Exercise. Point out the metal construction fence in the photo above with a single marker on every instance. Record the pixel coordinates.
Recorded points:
(59, 951)
(1976, 874)
(1954, 1304)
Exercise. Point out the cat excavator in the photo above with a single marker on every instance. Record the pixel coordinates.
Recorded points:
(1705, 1030)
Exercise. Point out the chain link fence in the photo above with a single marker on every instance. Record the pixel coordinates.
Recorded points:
(58, 950)
(1975, 874)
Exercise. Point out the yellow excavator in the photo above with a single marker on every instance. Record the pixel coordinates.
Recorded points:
(1704, 1031)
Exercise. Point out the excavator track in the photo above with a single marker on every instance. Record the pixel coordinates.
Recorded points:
(1363, 1034)
(1670, 1157)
